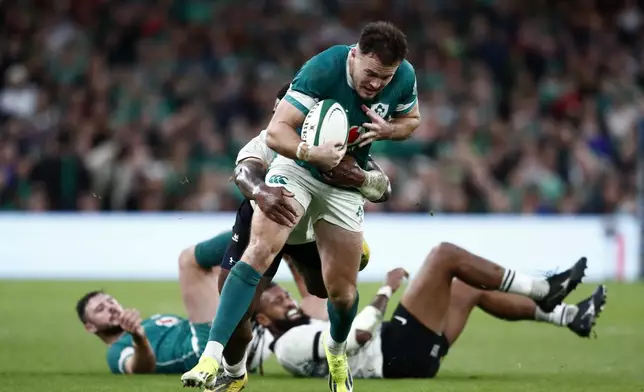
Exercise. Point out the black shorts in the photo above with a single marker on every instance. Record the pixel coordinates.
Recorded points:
(305, 254)
(409, 349)
(240, 239)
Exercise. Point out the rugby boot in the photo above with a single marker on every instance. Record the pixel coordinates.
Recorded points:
(203, 375)
(588, 313)
(562, 284)
(340, 379)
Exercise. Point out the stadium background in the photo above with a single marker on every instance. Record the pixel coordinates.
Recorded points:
(120, 121)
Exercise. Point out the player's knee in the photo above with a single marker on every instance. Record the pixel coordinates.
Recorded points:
(342, 296)
(260, 254)
(187, 259)
(243, 334)
(444, 253)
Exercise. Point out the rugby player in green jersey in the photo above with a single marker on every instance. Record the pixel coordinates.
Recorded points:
(377, 86)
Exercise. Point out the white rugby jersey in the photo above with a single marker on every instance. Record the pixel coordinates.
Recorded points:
(259, 349)
(301, 352)
(257, 148)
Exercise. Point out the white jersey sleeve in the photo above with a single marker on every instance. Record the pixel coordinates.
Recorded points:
(298, 351)
(256, 148)
(259, 349)
(301, 352)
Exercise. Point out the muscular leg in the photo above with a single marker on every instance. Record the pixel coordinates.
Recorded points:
(198, 293)
(340, 252)
(235, 351)
(447, 261)
(266, 240)
(504, 306)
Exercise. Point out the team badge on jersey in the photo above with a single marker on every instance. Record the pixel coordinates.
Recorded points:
(380, 109)
(166, 321)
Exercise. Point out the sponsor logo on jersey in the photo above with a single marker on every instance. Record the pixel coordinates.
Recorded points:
(278, 179)
(235, 237)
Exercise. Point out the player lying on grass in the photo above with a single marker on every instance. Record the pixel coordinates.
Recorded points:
(428, 320)
(163, 343)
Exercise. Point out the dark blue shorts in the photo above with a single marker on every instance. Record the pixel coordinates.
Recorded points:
(305, 254)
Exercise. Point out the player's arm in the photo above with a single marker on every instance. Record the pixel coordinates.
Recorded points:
(376, 182)
(143, 359)
(309, 86)
(406, 116)
(373, 183)
(370, 317)
(404, 124)
(252, 162)
(137, 358)
(249, 177)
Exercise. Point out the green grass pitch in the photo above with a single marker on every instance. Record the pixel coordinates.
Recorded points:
(43, 347)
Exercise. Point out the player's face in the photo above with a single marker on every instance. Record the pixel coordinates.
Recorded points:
(102, 314)
(279, 308)
(369, 75)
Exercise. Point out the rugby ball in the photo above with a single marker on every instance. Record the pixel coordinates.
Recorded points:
(327, 121)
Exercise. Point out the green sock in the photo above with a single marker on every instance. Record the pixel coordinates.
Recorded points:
(341, 320)
(236, 297)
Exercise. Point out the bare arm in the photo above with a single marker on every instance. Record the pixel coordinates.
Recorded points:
(370, 317)
(249, 177)
(403, 125)
(281, 134)
(143, 360)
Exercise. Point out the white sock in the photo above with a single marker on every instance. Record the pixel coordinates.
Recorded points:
(518, 283)
(213, 350)
(336, 348)
(237, 370)
(562, 315)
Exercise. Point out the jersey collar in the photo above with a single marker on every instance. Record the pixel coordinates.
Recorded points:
(348, 74)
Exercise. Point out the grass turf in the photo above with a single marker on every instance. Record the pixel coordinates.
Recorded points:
(44, 347)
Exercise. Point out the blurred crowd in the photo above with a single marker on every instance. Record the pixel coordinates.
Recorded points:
(528, 107)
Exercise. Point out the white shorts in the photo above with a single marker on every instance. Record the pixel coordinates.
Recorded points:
(337, 206)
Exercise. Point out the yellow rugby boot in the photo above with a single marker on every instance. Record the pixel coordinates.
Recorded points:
(340, 379)
(203, 375)
(228, 383)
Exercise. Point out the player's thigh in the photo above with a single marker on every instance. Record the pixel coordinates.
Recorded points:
(463, 298)
(268, 237)
(428, 295)
(306, 259)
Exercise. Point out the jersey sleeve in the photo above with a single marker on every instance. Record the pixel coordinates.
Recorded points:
(117, 354)
(409, 90)
(311, 83)
(256, 148)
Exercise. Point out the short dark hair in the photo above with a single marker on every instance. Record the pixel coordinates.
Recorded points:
(81, 305)
(385, 41)
(282, 92)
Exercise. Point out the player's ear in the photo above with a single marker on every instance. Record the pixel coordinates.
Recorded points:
(262, 319)
(90, 327)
